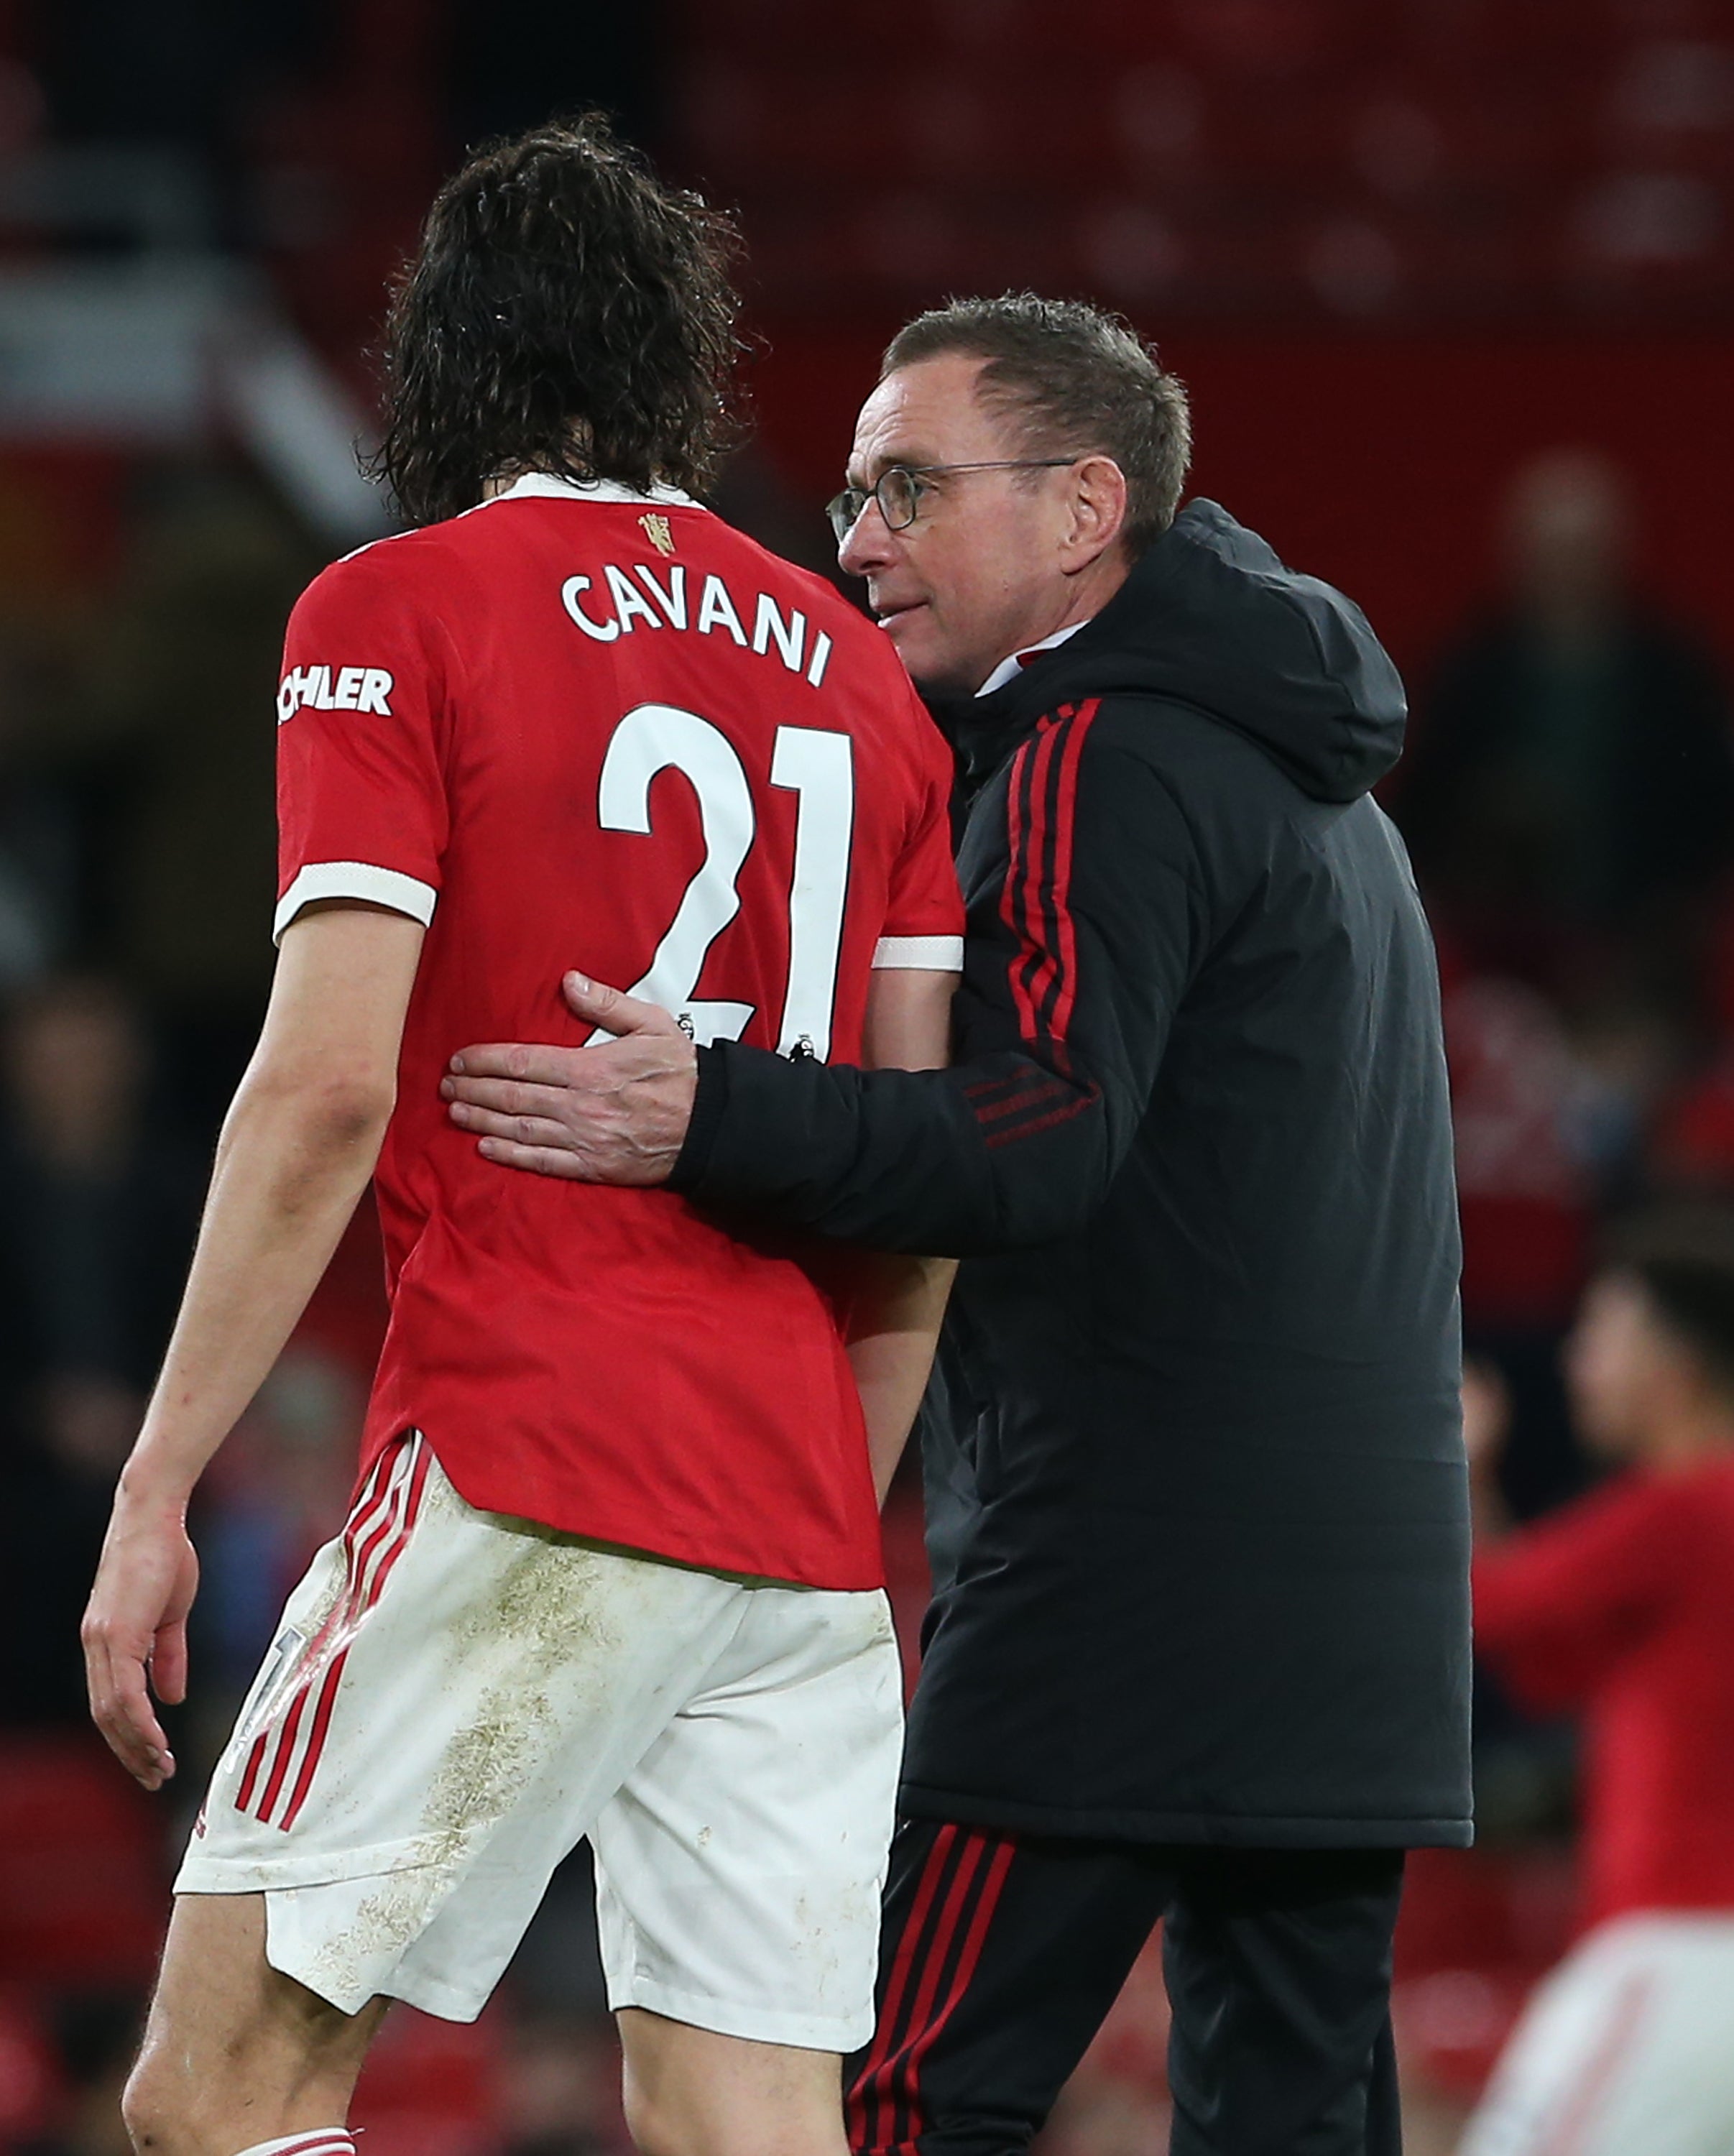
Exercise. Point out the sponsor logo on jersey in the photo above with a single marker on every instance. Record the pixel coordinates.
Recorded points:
(334, 688)
(616, 606)
(659, 531)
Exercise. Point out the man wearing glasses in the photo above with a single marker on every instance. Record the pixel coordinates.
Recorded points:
(1199, 1649)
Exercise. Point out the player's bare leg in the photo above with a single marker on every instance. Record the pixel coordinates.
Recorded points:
(692, 2093)
(234, 2052)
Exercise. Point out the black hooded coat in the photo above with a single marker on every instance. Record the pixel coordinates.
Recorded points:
(1196, 1483)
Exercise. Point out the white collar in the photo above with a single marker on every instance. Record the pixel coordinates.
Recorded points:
(556, 483)
(1009, 670)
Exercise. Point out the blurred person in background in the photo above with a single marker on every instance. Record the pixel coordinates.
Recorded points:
(96, 1220)
(1620, 1607)
(1571, 794)
(39, 850)
(180, 859)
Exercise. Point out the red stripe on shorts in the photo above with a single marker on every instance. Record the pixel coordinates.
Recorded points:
(373, 1538)
(371, 1518)
(328, 1689)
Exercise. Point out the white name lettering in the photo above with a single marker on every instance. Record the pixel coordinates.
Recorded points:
(716, 610)
(673, 601)
(630, 604)
(334, 688)
(604, 632)
(788, 634)
(659, 604)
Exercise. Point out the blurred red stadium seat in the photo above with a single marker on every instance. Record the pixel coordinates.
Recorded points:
(29, 2078)
(84, 1897)
(431, 2087)
(1479, 1929)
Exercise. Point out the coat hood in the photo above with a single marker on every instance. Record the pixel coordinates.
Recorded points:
(1210, 618)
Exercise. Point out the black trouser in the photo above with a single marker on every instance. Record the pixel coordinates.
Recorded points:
(1001, 1954)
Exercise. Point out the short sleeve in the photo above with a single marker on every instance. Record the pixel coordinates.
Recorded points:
(361, 807)
(924, 913)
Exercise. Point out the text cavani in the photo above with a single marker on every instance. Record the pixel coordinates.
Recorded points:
(615, 606)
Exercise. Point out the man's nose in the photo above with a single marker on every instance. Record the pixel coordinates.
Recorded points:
(867, 545)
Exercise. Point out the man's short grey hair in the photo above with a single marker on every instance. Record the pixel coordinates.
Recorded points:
(1077, 381)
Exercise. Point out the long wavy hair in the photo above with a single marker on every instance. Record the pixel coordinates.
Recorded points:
(565, 312)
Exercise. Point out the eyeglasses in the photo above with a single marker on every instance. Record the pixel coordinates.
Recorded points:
(898, 488)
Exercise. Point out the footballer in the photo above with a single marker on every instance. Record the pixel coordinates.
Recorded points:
(613, 1566)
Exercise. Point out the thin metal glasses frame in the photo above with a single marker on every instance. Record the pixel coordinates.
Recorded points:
(845, 509)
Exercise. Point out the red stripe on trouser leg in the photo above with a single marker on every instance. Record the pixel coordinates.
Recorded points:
(974, 1941)
(863, 2099)
(936, 1954)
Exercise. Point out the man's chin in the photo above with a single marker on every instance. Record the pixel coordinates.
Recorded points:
(934, 671)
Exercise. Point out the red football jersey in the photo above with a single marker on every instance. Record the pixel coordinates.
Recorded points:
(579, 727)
(1622, 1604)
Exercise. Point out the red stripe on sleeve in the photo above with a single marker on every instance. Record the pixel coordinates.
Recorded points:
(1009, 896)
(1043, 970)
(1039, 963)
(1075, 736)
(1032, 961)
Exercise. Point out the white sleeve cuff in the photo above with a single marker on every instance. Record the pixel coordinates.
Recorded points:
(403, 894)
(927, 954)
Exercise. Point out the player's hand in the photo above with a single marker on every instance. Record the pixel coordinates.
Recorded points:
(134, 1633)
(614, 1113)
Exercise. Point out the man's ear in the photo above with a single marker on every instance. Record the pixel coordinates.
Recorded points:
(1099, 506)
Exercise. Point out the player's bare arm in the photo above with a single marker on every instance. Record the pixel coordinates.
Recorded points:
(298, 1147)
(893, 1327)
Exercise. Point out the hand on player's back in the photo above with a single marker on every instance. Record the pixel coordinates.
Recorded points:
(616, 1112)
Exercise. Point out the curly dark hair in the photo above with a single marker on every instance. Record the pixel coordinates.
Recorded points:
(1073, 380)
(565, 312)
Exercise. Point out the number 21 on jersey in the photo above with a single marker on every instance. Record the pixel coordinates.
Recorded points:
(818, 768)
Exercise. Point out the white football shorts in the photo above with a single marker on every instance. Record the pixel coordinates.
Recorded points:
(1626, 2050)
(456, 1698)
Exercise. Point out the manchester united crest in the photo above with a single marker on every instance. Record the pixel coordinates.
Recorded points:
(658, 531)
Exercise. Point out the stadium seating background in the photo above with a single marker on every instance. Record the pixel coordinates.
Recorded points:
(1397, 250)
